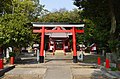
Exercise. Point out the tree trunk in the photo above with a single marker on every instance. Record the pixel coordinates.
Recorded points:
(113, 18)
(113, 29)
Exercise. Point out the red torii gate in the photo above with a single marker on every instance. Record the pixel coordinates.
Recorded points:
(42, 29)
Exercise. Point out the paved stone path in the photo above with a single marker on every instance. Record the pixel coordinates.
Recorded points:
(58, 73)
(53, 71)
(86, 73)
(55, 67)
(25, 73)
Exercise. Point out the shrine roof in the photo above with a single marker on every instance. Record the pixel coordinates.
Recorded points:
(54, 24)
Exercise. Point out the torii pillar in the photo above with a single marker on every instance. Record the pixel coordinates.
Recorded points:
(74, 45)
(41, 57)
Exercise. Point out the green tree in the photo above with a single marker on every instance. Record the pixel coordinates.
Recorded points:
(13, 32)
(104, 14)
(14, 23)
(61, 15)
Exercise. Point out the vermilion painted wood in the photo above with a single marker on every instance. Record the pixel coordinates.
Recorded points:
(42, 42)
(58, 31)
(99, 61)
(37, 31)
(12, 60)
(79, 31)
(74, 41)
(107, 63)
(1, 63)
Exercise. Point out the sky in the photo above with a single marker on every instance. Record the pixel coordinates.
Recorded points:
(52, 5)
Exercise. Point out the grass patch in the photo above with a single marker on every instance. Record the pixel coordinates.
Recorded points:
(114, 69)
(92, 59)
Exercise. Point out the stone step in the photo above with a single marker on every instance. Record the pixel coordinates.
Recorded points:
(58, 52)
(45, 65)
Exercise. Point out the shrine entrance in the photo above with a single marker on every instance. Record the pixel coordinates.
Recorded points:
(59, 43)
(59, 36)
(59, 46)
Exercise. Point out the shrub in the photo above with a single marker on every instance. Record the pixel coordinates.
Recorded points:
(12, 54)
